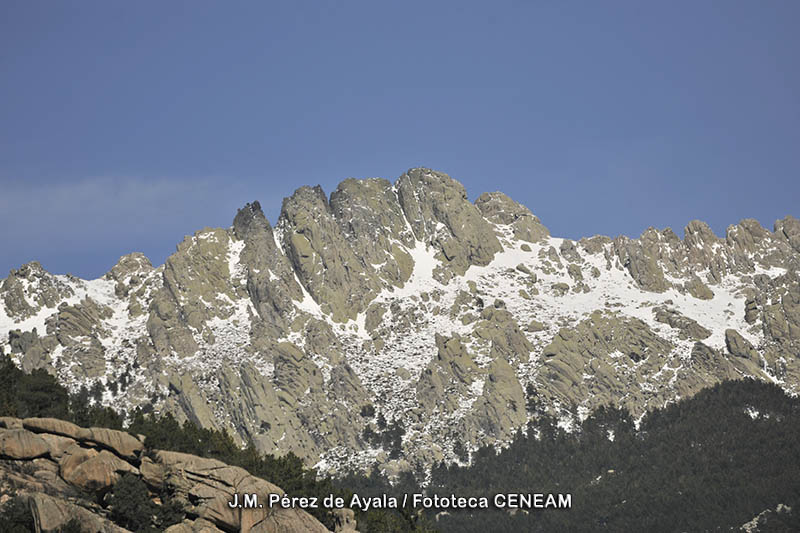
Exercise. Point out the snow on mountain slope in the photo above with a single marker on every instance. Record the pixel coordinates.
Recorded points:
(390, 322)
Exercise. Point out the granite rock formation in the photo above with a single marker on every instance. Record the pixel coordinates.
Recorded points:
(404, 303)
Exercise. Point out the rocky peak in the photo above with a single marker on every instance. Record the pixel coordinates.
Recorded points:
(425, 196)
(370, 216)
(249, 221)
(30, 288)
(269, 276)
(135, 262)
(698, 232)
(500, 209)
(130, 272)
(439, 213)
(336, 278)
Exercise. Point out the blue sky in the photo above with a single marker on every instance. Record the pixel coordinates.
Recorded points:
(126, 125)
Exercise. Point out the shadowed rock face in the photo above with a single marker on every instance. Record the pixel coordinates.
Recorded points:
(56, 466)
(400, 305)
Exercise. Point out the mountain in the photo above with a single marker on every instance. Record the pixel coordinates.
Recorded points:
(403, 325)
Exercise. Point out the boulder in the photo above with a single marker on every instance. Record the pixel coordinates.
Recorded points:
(95, 472)
(152, 473)
(570, 252)
(739, 346)
(211, 484)
(56, 427)
(56, 444)
(535, 326)
(750, 310)
(688, 327)
(123, 444)
(9, 422)
(51, 514)
(21, 444)
(698, 289)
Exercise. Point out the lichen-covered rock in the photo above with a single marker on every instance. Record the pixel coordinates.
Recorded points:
(614, 350)
(535, 326)
(688, 327)
(501, 407)
(35, 351)
(452, 367)
(788, 229)
(333, 274)
(781, 315)
(373, 222)
(570, 252)
(270, 279)
(439, 213)
(498, 327)
(129, 274)
(595, 245)
(294, 374)
(374, 315)
(739, 346)
(560, 289)
(698, 289)
(80, 320)
(265, 417)
(750, 310)
(703, 249)
(640, 261)
(29, 289)
(574, 272)
(187, 401)
(198, 285)
(168, 333)
(704, 354)
(500, 209)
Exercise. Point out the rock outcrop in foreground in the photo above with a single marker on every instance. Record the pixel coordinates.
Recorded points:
(404, 310)
(63, 470)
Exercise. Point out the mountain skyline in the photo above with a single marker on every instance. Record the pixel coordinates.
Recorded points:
(148, 207)
(127, 127)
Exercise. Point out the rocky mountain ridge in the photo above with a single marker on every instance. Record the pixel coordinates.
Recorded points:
(406, 310)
